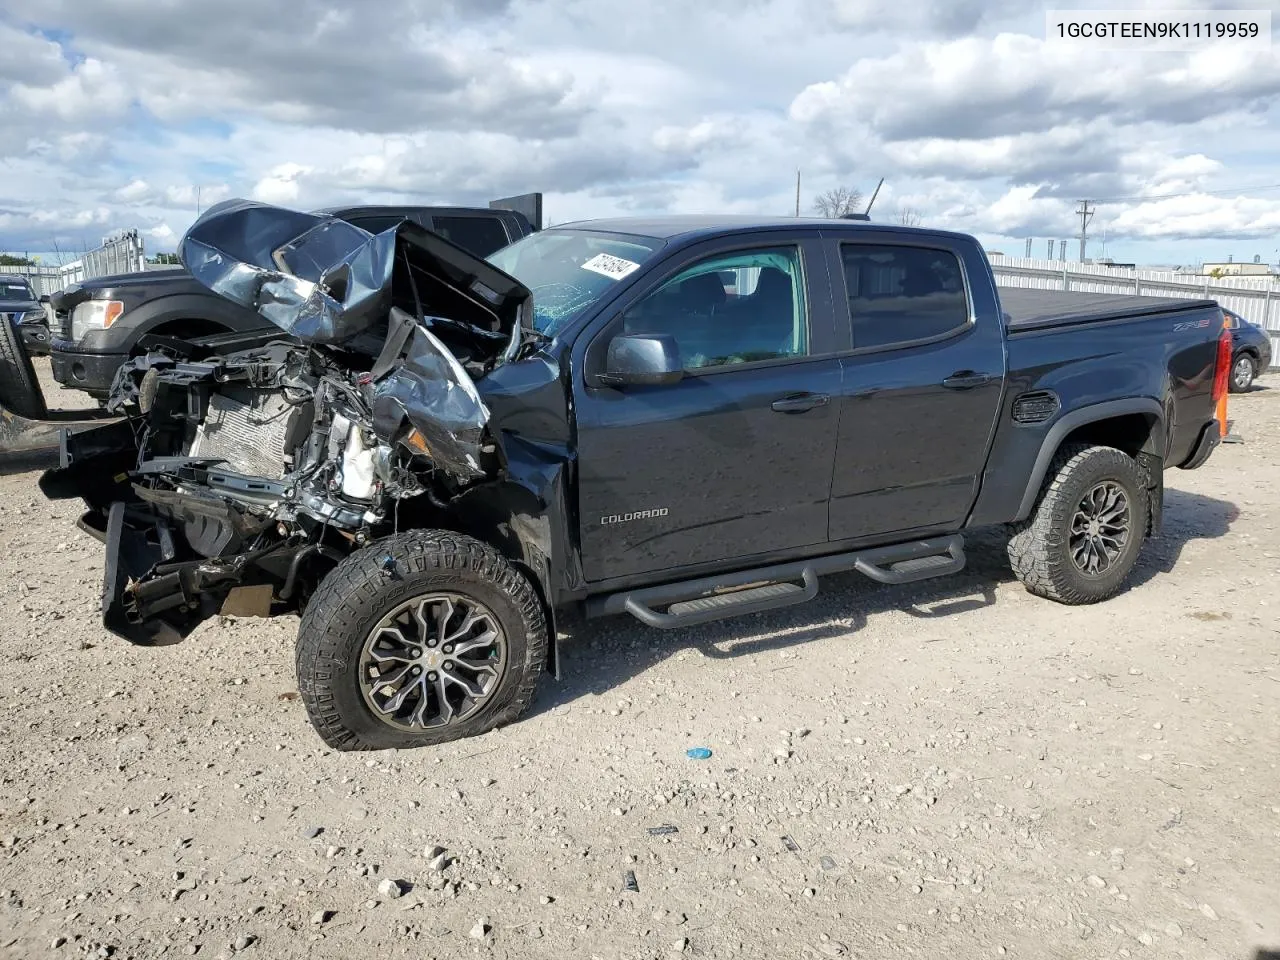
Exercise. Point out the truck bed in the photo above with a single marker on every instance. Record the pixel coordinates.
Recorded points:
(1030, 309)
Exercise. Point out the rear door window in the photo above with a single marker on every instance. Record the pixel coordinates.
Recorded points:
(900, 295)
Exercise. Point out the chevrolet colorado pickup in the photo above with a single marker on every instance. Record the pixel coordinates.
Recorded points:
(100, 321)
(679, 418)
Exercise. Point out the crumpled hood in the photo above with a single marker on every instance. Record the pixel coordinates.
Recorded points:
(429, 315)
(325, 281)
(20, 306)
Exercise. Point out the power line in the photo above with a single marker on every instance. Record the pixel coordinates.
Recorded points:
(1190, 193)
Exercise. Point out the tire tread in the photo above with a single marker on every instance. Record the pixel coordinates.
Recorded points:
(427, 552)
(1044, 570)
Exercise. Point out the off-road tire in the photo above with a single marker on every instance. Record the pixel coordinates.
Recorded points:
(19, 388)
(1242, 385)
(1039, 550)
(368, 584)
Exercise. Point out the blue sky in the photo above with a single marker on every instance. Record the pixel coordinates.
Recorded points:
(119, 114)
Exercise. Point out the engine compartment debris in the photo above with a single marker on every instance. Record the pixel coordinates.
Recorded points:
(268, 458)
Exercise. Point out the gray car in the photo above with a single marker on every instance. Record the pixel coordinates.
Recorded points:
(19, 307)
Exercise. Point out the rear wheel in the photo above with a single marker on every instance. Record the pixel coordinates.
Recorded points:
(419, 639)
(1243, 372)
(1086, 532)
(19, 388)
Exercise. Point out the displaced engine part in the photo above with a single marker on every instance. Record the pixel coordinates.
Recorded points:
(254, 438)
(242, 478)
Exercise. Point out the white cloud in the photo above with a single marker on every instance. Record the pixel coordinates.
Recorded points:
(280, 186)
(29, 58)
(149, 112)
(92, 89)
(1200, 215)
(979, 87)
(133, 191)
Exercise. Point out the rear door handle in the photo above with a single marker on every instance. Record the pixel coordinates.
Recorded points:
(801, 402)
(967, 380)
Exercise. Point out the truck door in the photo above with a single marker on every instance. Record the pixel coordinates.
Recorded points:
(734, 461)
(922, 384)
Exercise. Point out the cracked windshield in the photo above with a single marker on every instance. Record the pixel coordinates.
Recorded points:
(569, 270)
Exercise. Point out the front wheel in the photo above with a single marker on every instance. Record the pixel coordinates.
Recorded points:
(1084, 536)
(1243, 372)
(419, 639)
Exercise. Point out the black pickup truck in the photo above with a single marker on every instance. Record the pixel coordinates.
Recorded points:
(99, 322)
(681, 419)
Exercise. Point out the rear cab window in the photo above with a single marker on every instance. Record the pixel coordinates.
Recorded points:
(479, 235)
(375, 223)
(902, 295)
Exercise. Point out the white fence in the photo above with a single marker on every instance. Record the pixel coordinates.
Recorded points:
(1257, 299)
(123, 253)
(43, 280)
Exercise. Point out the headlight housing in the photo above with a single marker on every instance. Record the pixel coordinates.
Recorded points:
(94, 315)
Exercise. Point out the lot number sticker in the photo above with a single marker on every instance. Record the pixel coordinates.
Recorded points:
(615, 268)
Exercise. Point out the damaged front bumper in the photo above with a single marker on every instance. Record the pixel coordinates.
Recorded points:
(237, 479)
(156, 587)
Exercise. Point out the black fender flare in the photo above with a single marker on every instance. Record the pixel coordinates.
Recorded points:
(1081, 417)
(1250, 350)
(524, 528)
(146, 317)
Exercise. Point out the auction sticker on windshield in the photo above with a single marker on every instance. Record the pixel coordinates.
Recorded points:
(615, 268)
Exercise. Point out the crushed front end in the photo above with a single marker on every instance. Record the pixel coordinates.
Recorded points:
(238, 478)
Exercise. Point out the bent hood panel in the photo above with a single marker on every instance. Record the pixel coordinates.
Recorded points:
(326, 281)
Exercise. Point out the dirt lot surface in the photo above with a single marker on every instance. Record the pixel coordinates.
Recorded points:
(952, 770)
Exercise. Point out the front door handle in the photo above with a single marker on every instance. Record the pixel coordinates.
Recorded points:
(800, 402)
(967, 380)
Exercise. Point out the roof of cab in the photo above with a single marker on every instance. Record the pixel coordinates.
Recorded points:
(395, 209)
(690, 227)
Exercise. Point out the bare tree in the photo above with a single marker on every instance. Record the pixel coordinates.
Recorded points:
(837, 202)
(909, 217)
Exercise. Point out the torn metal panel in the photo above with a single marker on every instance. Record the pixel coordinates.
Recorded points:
(319, 279)
(325, 281)
(244, 472)
(432, 393)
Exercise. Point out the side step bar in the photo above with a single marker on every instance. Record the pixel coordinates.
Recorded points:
(768, 588)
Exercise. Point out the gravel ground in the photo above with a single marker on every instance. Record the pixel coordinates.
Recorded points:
(955, 769)
(56, 396)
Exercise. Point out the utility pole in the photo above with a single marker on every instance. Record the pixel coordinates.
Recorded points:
(197, 203)
(797, 193)
(1086, 214)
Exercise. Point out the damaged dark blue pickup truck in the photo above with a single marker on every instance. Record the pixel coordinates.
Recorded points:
(677, 418)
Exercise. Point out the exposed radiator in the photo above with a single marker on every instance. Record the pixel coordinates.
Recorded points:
(251, 437)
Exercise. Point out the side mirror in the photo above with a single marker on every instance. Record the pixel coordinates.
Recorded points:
(643, 358)
(44, 298)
